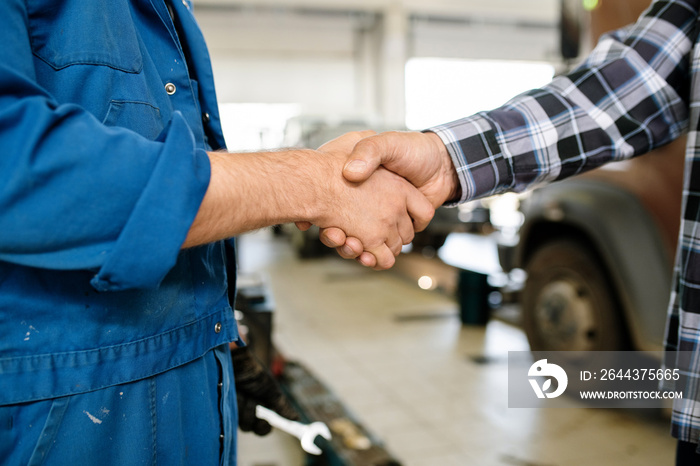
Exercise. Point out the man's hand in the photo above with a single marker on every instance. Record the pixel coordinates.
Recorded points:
(256, 386)
(383, 212)
(421, 158)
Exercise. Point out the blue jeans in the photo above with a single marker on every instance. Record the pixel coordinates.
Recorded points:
(186, 415)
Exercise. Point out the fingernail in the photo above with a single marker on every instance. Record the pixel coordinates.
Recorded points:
(347, 251)
(356, 166)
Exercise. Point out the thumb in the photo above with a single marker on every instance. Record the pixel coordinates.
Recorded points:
(364, 160)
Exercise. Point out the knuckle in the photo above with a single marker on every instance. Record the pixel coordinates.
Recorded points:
(370, 144)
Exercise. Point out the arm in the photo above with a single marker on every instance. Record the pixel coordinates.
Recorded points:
(76, 194)
(627, 98)
(249, 191)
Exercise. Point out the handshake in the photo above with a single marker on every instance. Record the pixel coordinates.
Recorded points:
(369, 193)
(385, 188)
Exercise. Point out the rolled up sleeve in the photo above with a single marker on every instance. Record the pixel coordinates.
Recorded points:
(78, 195)
(152, 234)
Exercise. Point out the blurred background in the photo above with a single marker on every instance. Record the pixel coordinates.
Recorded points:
(409, 366)
(397, 64)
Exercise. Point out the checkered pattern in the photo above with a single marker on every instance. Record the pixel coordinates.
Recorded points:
(636, 91)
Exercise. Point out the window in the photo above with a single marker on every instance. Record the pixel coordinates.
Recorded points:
(441, 90)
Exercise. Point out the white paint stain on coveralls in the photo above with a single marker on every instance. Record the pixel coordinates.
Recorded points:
(93, 418)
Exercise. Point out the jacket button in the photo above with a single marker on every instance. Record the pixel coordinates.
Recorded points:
(170, 88)
(206, 118)
(217, 327)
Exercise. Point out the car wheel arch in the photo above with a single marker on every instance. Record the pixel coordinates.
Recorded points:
(624, 238)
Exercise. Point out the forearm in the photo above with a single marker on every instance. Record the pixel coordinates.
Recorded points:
(251, 191)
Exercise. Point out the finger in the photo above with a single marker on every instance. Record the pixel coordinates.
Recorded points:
(282, 406)
(347, 247)
(385, 257)
(261, 427)
(246, 413)
(405, 228)
(351, 249)
(332, 237)
(420, 209)
(395, 247)
(303, 226)
(395, 241)
(367, 259)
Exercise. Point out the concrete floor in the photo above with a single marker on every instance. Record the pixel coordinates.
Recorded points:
(433, 390)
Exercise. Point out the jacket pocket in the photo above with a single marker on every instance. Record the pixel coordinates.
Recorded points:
(140, 117)
(74, 32)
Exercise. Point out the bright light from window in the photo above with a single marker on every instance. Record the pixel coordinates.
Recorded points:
(253, 126)
(442, 90)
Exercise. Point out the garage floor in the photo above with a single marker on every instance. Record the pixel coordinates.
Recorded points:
(433, 390)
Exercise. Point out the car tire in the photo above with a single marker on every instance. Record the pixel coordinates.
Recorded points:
(568, 301)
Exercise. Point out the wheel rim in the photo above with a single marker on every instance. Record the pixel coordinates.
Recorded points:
(565, 316)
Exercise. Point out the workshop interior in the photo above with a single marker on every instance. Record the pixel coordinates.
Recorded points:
(410, 366)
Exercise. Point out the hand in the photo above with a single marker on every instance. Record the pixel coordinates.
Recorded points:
(383, 212)
(256, 386)
(421, 158)
(250, 191)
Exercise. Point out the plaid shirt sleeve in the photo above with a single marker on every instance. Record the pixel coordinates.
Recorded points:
(628, 97)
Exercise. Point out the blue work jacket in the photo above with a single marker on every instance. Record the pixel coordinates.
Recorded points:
(106, 110)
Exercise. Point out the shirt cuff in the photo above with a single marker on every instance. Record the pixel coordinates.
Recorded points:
(481, 166)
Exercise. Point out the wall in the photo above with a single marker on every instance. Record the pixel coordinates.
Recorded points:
(347, 58)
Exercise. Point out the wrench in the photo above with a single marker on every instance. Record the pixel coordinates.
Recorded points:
(305, 432)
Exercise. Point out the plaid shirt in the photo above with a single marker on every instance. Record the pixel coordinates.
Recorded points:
(636, 91)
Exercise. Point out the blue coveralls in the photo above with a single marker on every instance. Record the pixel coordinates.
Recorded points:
(113, 342)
